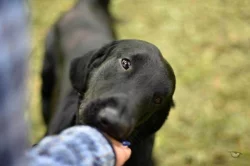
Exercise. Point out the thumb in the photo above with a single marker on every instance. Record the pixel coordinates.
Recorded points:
(122, 153)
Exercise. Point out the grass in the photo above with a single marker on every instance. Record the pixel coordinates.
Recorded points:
(207, 43)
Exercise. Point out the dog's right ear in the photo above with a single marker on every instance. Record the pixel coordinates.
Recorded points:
(82, 66)
(79, 71)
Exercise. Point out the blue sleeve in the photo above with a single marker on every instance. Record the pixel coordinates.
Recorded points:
(76, 146)
(14, 56)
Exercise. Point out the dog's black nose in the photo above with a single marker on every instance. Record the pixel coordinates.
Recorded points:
(112, 123)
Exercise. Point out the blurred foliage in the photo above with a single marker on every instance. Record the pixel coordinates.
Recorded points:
(208, 45)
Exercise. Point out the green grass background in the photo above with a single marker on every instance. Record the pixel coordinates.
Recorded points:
(207, 43)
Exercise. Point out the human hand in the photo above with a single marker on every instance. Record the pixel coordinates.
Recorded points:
(122, 152)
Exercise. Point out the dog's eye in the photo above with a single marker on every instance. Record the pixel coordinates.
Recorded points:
(125, 63)
(157, 100)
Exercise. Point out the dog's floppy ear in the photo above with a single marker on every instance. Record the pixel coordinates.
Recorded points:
(82, 66)
(152, 125)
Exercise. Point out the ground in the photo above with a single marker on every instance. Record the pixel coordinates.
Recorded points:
(208, 45)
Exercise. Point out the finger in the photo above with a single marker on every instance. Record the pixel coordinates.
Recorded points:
(122, 154)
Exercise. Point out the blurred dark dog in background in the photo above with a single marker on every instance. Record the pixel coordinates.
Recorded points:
(88, 25)
(124, 88)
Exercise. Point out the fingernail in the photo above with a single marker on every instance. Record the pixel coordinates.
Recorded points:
(126, 143)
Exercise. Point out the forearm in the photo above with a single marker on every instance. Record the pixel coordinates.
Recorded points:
(79, 145)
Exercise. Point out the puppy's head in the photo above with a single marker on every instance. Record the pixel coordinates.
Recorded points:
(127, 89)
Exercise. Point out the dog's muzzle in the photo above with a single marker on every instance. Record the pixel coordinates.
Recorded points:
(110, 115)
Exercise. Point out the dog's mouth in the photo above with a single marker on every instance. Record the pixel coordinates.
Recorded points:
(107, 117)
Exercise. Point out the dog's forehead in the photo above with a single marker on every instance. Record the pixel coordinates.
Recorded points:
(134, 47)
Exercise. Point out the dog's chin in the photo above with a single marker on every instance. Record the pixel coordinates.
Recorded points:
(116, 134)
(112, 132)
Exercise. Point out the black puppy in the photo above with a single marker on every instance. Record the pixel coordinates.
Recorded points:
(123, 88)
(127, 89)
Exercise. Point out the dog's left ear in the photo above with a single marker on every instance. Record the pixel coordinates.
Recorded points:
(82, 66)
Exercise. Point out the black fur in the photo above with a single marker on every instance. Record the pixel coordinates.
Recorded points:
(106, 86)
(95, 89)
